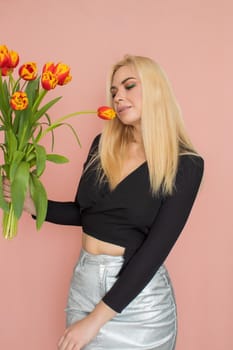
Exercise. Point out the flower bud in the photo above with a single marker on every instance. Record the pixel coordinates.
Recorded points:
(28, 71)
(19, 101)
(106, 113)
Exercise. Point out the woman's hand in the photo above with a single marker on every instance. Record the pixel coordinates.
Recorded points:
(82, 332)
(28, 203)
(7, 190)
(79, 334)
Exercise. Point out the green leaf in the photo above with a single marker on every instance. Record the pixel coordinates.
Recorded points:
(40, 159)
(17, 158)
(41, 95)
(56, 125)
(52, 133)
(11, 143)
(40, 200)
(32, 91)
(4, 103)
(19, 188)
(3, 204)
(74, 132)
(44, 109)
(57, 158)
(16, 121)
(38, 129)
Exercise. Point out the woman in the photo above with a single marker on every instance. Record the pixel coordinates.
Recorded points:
(136, 192)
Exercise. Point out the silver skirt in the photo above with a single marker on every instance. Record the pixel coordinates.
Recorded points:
(149, 322)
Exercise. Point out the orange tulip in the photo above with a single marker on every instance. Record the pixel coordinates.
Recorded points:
(19, 101)
(50, 66)
(62, 71)
(49, 80)
(13, 59)
(4, 56)
(55, 74)
(28, 71)
(106, 113)
(6, 71)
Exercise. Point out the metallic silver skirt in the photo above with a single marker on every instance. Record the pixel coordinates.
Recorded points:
(149, 322)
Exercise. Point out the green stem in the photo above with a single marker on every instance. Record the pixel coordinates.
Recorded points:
(42, 94)
(22, 137)
(13, 83)
(60, 120)
(10, 223)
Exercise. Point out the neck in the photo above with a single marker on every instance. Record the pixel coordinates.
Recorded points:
(138, 136)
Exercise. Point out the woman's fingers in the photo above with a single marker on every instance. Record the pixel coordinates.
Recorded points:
(67, 344)
(28, 202)
(6, 189)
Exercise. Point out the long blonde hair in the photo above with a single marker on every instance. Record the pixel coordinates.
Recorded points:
(163, 133)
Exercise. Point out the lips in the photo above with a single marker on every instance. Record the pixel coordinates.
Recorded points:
(122, 109)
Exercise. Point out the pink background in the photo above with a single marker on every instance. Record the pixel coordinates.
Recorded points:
(191, 40)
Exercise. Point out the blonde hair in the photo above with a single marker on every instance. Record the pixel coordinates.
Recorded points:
(163, 133)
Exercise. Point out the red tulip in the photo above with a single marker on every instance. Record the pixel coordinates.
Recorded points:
(62, 71)
(49, 80)
(6, 71)
(28, 71)
(55, 74)
(13, 59)
(19, 101)
(4, 56)
(48, 67)
(106, 113)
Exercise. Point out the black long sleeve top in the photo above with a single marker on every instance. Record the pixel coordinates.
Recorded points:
(130, 216)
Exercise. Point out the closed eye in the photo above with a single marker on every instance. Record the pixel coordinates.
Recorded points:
(130, 86)
(113, 91)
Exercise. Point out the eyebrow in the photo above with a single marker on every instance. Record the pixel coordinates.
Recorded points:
(123, 81)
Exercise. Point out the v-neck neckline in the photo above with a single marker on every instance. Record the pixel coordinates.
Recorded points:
(130, 174)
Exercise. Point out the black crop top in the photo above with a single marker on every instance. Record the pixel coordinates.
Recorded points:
(129, 216)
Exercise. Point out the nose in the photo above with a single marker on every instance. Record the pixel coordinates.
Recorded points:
(119, 96)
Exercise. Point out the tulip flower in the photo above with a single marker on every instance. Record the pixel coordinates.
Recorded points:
(62, 71)
(19, 101)
(53, 75)
(4, 56)
(13, 59)
(106, 113)
(49, 80)
(49, 66)
(28, 71)
(6, 71)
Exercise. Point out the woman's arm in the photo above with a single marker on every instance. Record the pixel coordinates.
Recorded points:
(68, 213)
(163, 234)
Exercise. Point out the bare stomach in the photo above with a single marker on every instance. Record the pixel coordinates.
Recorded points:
(95, 246)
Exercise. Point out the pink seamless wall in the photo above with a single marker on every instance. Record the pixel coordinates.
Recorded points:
(192, 41)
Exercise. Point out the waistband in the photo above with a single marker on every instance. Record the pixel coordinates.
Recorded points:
(100, 259)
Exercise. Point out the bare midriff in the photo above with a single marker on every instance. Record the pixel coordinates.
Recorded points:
(95, 246)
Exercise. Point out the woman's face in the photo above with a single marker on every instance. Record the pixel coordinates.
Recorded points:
(127, 95)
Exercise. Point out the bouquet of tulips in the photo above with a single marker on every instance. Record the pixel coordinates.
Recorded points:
(24, 121)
